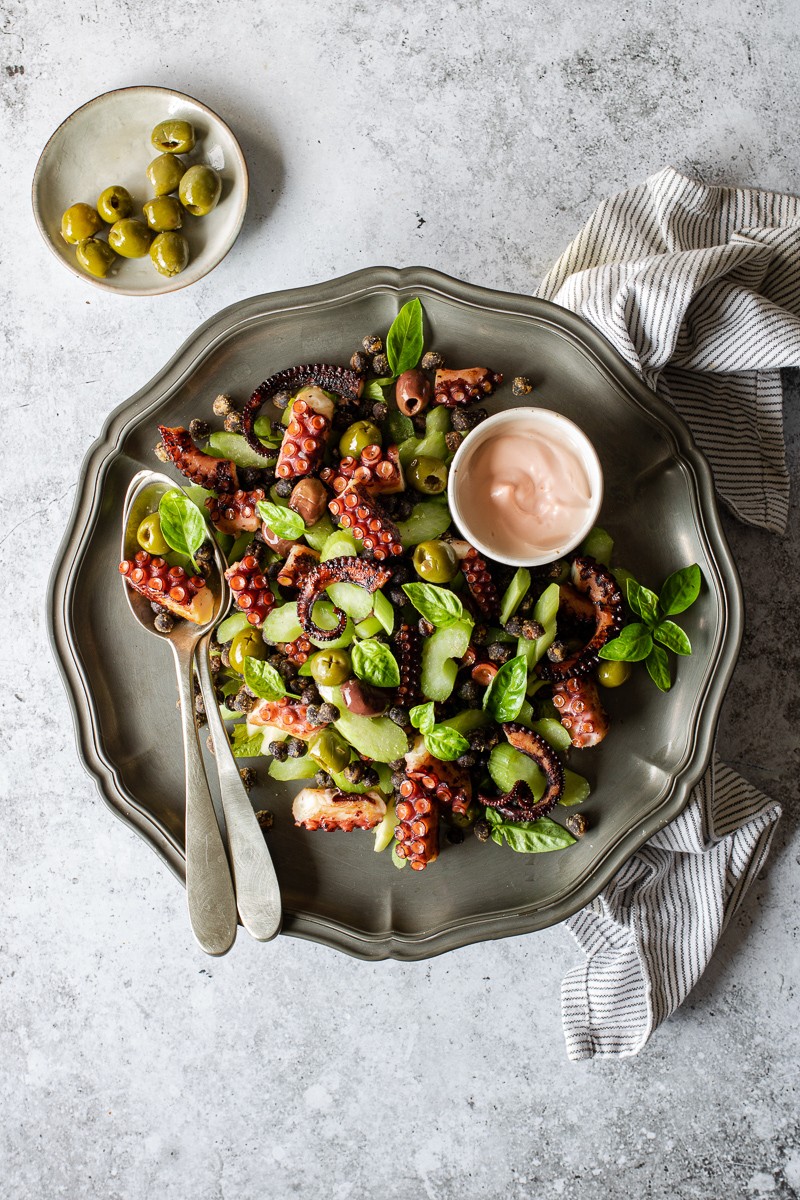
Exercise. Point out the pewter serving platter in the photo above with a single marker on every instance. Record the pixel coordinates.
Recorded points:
(659, 506)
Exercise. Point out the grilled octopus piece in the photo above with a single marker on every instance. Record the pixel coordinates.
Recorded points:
(342, 382)
(369, 575)
(602, 589)
(519, 804)
(215, 474)
(328, 809)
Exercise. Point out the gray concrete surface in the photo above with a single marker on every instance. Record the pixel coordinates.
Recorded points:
(473, 137)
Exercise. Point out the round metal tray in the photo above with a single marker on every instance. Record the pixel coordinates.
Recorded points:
(659, 506)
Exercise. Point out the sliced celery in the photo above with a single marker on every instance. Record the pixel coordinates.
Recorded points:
(377, 738)
(514, 594)
(576, 789)
(317, 535)
(384, 833)
(545, 613)
(467, 720)
(439, 652)
(293, 768)
(232, 625)
(599, 545)
(428, 520)
(352, 599)
(282, 625)
(507, 766)
(553, 732)
(369, 627)
(237, 449)
(384, 612)
(239, 546)
(338, 543)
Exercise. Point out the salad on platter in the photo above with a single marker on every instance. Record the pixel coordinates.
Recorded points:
(412, 685)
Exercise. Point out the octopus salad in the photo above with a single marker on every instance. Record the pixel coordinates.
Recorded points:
(411, 685)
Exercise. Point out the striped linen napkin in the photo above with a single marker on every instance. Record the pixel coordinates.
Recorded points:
(698, 288)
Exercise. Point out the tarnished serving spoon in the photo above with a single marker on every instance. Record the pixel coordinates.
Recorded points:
(209, 887)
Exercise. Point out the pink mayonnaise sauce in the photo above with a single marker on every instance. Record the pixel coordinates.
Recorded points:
(528, 494)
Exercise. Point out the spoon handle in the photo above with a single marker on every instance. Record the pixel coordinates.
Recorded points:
(209, 888)
(257, 891)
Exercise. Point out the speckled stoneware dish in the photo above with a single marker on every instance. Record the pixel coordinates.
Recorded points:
(107, 141)
(659, 505)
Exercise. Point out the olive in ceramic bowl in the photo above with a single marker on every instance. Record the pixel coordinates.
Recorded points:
(173, 137)
(95, 256)
(163, 213)
(115, 203)
(80, 221)
(169, 253)
(200, 190)
(130, 238)
(165, 174)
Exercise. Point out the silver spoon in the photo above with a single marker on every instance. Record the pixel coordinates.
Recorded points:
(209, 887)
(258, 896)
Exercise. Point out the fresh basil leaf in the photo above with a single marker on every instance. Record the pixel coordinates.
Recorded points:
(529, 837)
(263, 430)
(263, 680)
(633, 644)
(505, 695)
(680, 590)
(673, 637)
(438, 605)
(374, 663)
(657, 665)
(398, 426)
(445, 743)
(404, 339)
(422, 718)
(182, 524)
(643, 602)
(284, 522)
(383, 610)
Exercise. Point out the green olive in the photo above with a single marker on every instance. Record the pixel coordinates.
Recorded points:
(248, 643)
(436, 562)
(329, 668)
(150, 537)
(611, 674)
(163, 213)
(95, 256)
(130, 238)
(79, 222)
(357, 437)
(427, 475)
(200, 189)
(165, 174)
(170, 253)
(173, 137)
(330, 750)
(115, 203)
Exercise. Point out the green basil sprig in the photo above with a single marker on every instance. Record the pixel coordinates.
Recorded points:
(422, 718)
(284, 522)
(182, 524)
(446, 743)
(374, 663)
(505, 695)
(644, 640)
(438, 605)
(529, 837)
(404, 339)
(263, 680)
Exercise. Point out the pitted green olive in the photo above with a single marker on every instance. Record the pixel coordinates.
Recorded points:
(612, 673)
(435, 561)
(115, 203)
(150, 537)
(96, 257)
(200, 190)
(173, 137)
(165, 174)
(330, 667)
(427, 475)
(357, 437)
(163, 213)
(79, 222)
(170, 253)
(248, 643)
(130, 238)
(330, 750)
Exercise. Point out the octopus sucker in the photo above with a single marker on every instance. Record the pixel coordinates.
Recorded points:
(369, 575)
(344, 383)
(580, 711)
(283, 714)
(215, 474)
(448, 782)
(417, 829)
(479, 579)
(184, 595)
(408, 650)
(377, 471)
(236, 512)
(250, 589)
(518, 804)
(328, 809)
(596, 582)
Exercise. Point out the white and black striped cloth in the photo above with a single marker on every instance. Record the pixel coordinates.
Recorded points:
(698, 288)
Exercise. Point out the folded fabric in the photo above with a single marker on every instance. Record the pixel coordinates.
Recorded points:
(698, 289)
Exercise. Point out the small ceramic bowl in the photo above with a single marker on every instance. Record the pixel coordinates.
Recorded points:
(107, 141)
(466, 487)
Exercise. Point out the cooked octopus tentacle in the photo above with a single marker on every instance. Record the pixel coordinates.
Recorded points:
(408, 648)
(216, 474)
(596, 582)
(284, 714)
(236, 512)
(519, 804)
(342, 382)
(250, 589)
(328, 809)
(378, 471)
(417, 830)
(455, 388)
(359, 512)
(184, 595)
(581, 711)
(448, 782)
(368, 575)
